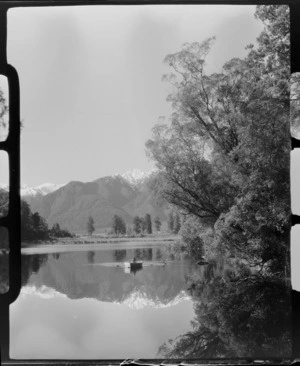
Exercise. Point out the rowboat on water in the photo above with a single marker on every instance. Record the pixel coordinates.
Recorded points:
(134, 264)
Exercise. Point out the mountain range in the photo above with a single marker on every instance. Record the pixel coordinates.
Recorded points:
(42, 189)
(70, 205)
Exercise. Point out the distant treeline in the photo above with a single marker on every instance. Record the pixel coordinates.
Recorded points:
(142, 225)
(33, 225)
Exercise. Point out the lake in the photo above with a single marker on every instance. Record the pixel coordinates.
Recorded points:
(79, 302)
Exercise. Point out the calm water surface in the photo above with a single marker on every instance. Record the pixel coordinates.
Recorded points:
(85, 304)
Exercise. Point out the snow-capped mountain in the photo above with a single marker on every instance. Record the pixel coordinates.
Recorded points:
(136, 300)
(136, 177)
(4, 186)
(139, 300)
(42, 189)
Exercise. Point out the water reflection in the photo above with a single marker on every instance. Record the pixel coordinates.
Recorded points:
(219, 310)
(56, 255)
(120, 254)
(91, 256)
(71, 300)
(239, 313)
(101, 275)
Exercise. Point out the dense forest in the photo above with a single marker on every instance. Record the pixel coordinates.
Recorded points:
(223, 159)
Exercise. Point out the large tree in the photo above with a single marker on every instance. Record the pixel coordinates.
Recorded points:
(224, 156)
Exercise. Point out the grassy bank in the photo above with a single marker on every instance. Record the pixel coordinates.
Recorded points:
(101, 239)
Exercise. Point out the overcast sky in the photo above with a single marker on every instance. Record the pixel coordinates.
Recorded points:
(90, 80)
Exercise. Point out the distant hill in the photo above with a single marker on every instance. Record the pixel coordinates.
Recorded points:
(73, 203)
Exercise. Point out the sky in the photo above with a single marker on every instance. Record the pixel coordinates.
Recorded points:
(90, 80)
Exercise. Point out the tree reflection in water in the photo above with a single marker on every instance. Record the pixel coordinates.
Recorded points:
(238, 314)
(147, 254)
(56, 255)
(120, 254)
(91, 256)
(31, 264)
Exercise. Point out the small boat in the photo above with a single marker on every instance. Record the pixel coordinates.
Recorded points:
(134, 265)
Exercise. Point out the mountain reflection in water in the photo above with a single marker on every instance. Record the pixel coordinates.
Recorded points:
(86, 309)
(82, 304)
(87, 275)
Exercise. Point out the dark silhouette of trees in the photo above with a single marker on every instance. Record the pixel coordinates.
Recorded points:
(118, 225)
(90, 226)
(57, 232)
(148, 223)
(40, 227)
(33, 226)
(177, 223)
(157, 223)
(137, 225)
(138, 254)
(171, 221)
(238, 314)
(142, 225)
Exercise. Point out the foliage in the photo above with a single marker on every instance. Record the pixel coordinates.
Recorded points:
(118, 225)
(238, 314)
(177, 223)
(171, 221)
(90, 226)
(224, 156)
(148, 223)
(33, 226)
(157, 223)
(295, 105)
(224, 159)
(57, 232)
(191, 237)
(3, 203)
(142, 224)
(137, 225)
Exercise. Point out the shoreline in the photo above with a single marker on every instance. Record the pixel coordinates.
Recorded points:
(83, 240)
(112, 243)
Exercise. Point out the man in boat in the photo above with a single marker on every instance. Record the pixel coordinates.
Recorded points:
(134, 259)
